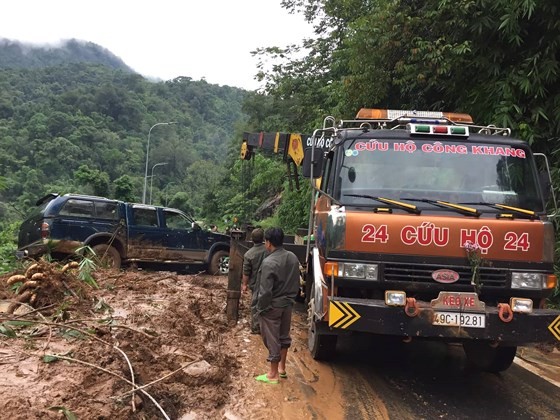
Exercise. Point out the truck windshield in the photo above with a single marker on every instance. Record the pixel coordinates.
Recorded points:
(449, 171)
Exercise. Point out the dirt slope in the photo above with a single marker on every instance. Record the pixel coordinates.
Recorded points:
(73, 355)
(150, 323)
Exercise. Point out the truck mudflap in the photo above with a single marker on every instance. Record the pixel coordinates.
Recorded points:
(427, 321)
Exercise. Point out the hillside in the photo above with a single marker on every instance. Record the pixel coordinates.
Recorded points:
(14, 54)
(77, 119)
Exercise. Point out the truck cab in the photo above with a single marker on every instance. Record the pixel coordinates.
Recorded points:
(429, 226)
(120, 233)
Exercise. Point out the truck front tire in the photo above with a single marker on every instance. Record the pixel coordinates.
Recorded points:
(219, 264)
(487, 358)
(321, 346)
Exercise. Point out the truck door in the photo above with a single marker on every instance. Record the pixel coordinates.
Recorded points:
(144, 233)
(182, 241)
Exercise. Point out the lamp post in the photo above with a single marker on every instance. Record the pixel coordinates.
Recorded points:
(148, 157)
(166, 192)
(152, 178)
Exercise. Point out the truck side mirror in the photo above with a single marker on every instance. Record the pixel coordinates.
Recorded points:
(316, 164)
(196, 226)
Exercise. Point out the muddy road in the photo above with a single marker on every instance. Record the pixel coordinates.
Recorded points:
(165, 338)
(376, 378)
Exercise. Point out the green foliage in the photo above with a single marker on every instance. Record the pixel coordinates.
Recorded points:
(124, 189)
(181, 201)
(82, 128)
(270, 222)
(16, 54)
(494, 59)
(8, 246)
(293, 212)
(87, 265)
(97, 180)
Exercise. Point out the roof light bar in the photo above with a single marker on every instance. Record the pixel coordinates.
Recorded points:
(393, 114)
(442, 130)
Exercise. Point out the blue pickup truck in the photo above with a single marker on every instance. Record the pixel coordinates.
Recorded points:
(120, 233)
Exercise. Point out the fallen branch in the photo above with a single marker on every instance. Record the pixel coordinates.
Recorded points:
(71, 359)
(158, 380)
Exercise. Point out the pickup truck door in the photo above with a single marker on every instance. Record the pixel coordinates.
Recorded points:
(183, 242)
(145, 235)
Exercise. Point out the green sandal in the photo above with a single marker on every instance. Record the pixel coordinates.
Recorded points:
(283, 375)
(264, 378)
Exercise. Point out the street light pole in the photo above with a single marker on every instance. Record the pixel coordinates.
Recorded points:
(166, 192)
(152, 178)
(148, 157)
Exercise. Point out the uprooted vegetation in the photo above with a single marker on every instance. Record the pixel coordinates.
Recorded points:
(139, 345)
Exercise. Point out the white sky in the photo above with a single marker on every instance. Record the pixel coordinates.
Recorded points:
(164, 38)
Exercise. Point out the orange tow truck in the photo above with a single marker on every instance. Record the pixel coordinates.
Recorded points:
(428, 226)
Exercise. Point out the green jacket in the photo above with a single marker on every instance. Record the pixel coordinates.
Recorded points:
(278, 280)
(252, 261)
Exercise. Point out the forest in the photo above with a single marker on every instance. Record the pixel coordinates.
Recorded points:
(83, 126)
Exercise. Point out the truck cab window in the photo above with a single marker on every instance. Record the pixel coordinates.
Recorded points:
(174, 220)
(145, 217)
(77, 208)
(107, 211)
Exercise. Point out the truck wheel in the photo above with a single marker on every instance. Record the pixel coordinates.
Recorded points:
(490, 359)
(107, 256)
(219, 264)
(321, 346)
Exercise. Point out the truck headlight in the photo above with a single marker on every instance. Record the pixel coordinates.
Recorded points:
(395, 298)
(535, 281)
(358, 271)
(521, 305)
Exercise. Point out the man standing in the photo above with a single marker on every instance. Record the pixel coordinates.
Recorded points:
(252, 261)
(278, 285)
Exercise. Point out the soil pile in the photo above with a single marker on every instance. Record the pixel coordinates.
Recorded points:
(79, 350)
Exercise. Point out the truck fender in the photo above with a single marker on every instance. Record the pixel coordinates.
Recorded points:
(218, 246)
(104, 238)
(320, 288)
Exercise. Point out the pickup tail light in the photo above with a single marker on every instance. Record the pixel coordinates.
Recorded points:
(45, 230)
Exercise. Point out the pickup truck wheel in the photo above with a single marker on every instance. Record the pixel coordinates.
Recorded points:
(321, 346)
(107, 256)
(219, 264)
(487, 358)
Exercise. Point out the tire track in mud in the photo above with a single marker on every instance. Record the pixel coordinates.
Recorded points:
(381, 378)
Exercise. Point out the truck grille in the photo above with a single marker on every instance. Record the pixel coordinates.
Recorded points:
(489, 277)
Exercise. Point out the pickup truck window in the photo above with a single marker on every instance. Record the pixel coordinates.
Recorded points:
(174, 220)
(107, 211)
(78, 208)
(145, 217)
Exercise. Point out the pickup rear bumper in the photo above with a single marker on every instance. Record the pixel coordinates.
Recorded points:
(374, 316)
(44, 246)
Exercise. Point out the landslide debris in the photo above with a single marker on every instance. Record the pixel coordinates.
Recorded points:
(123, 345)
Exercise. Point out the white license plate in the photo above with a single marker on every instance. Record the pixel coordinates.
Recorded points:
(456, 319)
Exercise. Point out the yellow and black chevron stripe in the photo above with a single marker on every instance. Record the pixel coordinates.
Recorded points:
(554, 327)
(341, 314)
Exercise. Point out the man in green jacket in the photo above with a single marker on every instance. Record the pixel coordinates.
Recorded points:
(252, 261)
(278, 286)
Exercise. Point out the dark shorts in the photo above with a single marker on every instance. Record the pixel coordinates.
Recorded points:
(275, 331)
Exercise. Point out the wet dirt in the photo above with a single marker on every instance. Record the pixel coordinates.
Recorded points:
(72, 352)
